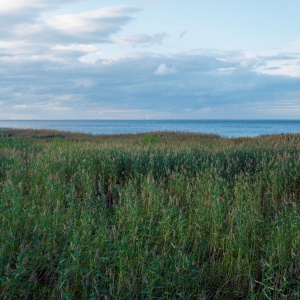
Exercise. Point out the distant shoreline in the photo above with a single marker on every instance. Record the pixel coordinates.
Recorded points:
(223, 128)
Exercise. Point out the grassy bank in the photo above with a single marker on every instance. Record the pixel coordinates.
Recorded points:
(148, 216)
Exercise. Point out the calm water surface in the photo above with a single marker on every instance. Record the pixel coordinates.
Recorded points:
(224, 128)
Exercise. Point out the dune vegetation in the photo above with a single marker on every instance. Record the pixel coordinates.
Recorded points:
(162, 215)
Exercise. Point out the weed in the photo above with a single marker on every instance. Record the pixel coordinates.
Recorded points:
(160, 215)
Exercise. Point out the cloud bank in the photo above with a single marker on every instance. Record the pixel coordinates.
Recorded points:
(83, 66)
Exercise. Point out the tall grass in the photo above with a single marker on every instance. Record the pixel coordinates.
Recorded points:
(149, 216)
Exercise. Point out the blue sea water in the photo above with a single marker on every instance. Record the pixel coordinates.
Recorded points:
(224, 128)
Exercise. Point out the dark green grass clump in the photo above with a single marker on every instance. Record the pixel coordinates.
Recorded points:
(149, 216)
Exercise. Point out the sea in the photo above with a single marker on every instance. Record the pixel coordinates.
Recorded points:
(223, 128)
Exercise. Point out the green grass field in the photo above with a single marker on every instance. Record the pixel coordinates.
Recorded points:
(149, 216)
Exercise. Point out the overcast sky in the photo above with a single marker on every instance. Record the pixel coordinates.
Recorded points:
(165, 59)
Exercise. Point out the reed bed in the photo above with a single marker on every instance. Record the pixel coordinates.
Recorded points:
(163, 215)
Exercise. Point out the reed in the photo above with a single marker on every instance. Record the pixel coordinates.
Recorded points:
(163, 215)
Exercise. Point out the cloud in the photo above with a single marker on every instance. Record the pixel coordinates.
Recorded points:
(61, 38)
(128, 88)
(70, 66)
(162, 69)
(14, 47)
(8, 6)
(183, 34)
(248, 62)
(88, 27)
(24, 12)
(101, 22)
(288, 66)
(141, 39)
(20, 106)
(54, 106)
(84, 48)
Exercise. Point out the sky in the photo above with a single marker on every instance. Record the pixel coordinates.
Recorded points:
(155, 59)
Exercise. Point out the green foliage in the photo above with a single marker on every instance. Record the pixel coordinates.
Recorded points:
(150, 139)
(149, 216)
